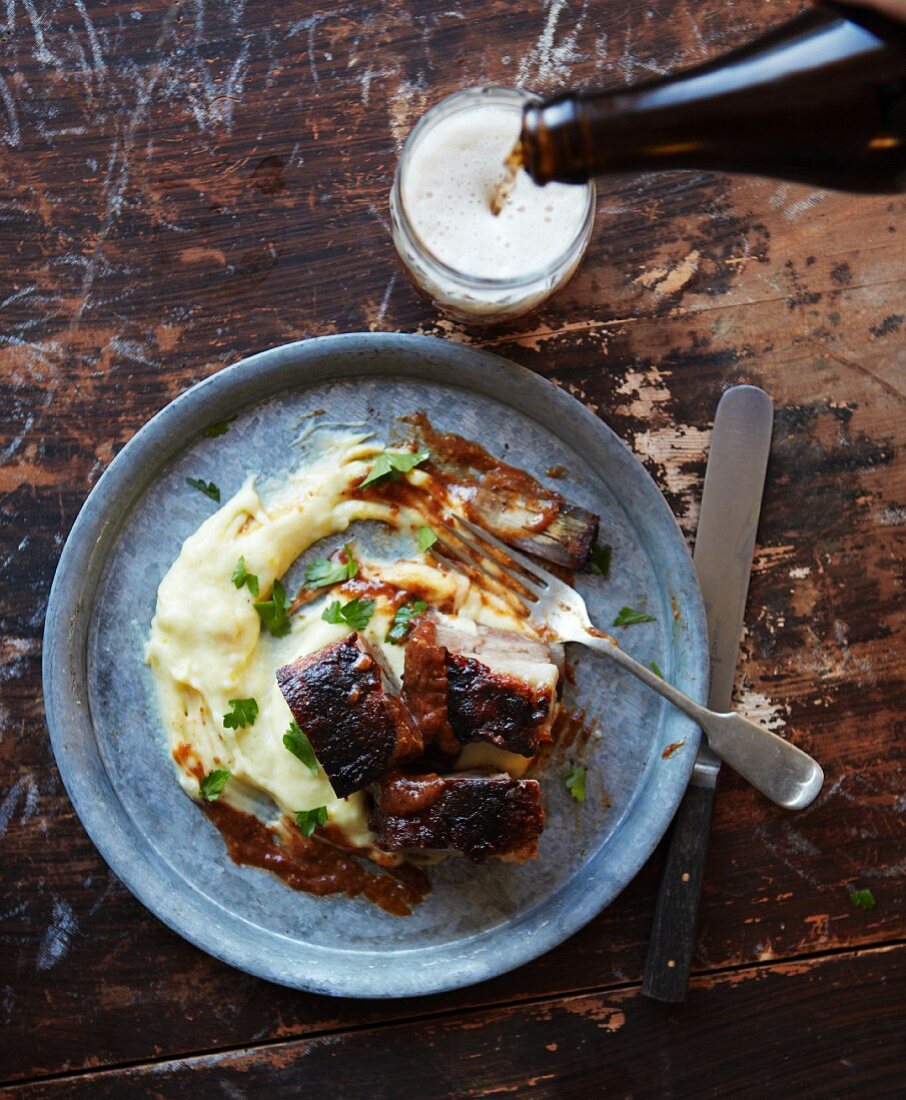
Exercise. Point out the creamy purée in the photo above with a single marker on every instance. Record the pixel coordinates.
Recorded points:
(207, 644)
(477, 266)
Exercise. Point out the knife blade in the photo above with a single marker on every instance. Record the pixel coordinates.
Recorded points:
(731, 503)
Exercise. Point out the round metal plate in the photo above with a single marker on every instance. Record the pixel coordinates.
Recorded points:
(111, 750)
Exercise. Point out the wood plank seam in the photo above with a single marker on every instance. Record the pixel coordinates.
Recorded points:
(700, 979)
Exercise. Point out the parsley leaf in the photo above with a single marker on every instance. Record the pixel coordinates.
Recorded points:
(299, 745)
(629, 615)
(402, 621)
(862, 899)
(426, 538)
(333, 613)
(220, 428)
(656, 669)
(575, 781)
(309, 820)
(241, 576)
(244, 713)
(382, 468)
(393, 463)
(323, 573)
(356, 613)
(404, 461)
(207, 487)
(273, 612)
(213, 783)
(600, 560)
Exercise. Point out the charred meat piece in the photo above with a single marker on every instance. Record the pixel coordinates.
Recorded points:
(568, 540)
(485, 706)
(537, 520)
(425, 687)
(341, 699)
(478, 815)
(508, 501)
(464, 682)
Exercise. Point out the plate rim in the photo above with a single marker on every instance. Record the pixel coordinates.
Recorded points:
(108, 506)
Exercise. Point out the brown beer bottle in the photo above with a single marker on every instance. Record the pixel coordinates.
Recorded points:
(820, 99)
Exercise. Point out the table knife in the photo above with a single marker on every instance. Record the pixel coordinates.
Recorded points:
(731, 503)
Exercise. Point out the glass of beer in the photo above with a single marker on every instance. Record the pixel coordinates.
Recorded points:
(483, 242)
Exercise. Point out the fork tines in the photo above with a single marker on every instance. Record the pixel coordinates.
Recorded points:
(492, 557)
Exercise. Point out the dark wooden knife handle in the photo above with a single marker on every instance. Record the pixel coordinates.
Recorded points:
(673, 937)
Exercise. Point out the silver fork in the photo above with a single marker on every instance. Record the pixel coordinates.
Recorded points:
(783, 773)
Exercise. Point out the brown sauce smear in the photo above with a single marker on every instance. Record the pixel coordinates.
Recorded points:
(314, 866)
(601, 634)
(453, 450)
(572, 729)
(183, 753)
(494, 492)
(460, 459)
(363, 587)
(397, 492)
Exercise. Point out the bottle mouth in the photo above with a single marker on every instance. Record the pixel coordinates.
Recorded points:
(459, 102)
(555, 140)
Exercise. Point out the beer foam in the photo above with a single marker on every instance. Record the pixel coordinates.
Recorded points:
(451, 176)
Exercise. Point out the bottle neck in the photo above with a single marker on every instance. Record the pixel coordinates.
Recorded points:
(825, 91)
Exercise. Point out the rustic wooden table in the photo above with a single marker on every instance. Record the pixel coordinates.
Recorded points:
(186, 184)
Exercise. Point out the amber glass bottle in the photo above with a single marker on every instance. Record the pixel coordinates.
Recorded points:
(820, 99)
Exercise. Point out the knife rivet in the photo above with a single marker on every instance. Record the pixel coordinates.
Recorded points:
(685, 876)
(671, 964)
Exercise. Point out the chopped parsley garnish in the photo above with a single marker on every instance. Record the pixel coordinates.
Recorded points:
(600, 560)
(220, 428)
(323, 572)
(309, 820)
(862, 899)
(243, 714)
(402, 621)
(207, 487)
(575, 781)
(241, 576)
(213, 783)
(628, 616)
(299, 745)
(333, 613)
(656, 669)
(426, 538)
(391, 464)
(356, 613)
(273, 612)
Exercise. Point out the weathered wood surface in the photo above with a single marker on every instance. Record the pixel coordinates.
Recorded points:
(834, 1031)
(185, 184)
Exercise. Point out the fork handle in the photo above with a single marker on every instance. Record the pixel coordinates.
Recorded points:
(783, 773)
(787, 775)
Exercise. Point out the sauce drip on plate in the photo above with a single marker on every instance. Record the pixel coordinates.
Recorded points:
(315, 866)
